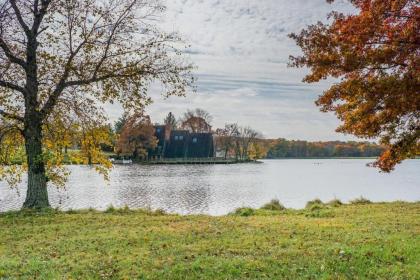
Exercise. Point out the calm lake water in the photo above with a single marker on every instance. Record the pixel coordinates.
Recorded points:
(219, 189)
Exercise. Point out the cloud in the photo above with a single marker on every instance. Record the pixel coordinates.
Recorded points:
(252, 28)
(241, 50)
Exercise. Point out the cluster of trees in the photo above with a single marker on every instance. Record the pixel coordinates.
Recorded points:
(135, 135)
(57, 53)
(283, 148)
(240, 142)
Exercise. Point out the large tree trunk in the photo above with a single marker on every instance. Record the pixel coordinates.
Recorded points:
(37, 195)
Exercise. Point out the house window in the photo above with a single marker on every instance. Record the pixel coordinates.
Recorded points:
(158, 130)
(195, 140)
(176, 137)
(181, 137)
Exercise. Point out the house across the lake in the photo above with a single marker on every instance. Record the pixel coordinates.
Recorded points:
(182, 144)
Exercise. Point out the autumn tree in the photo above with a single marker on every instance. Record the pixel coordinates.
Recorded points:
(95, 51)
(137, 137)
(197, 120)
(225, 138)
(171, 121)
(376, 55)
(258, 149)
(11, 152)
(246, 136)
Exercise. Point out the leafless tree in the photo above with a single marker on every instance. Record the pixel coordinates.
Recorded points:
(197, 120)
(225, 138)
(245, 137)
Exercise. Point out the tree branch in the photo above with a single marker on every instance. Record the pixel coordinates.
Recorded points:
(39, 14)
(10, 116)
(19, 17)
(12, 86)
(49, 105)
(13, 58)
(62, 84)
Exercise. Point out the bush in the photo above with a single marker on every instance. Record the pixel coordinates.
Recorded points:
(313, 202)
(335, 203)
(360, 200)
(159, 212)
(110, 209)
(244, 212)
(316, 207)
(274, 205)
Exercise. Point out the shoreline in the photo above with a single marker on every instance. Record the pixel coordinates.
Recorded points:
(125, 209)
(66, 163)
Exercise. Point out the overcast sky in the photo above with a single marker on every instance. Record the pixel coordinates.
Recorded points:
(241, 50)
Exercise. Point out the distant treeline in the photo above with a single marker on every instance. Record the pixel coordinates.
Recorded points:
(282, 148)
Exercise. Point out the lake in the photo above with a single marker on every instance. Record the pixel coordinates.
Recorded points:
(219, 189)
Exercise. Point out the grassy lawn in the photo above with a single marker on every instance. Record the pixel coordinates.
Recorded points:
(369, 241)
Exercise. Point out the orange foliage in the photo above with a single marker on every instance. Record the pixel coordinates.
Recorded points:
(376, 54)
(137, 137)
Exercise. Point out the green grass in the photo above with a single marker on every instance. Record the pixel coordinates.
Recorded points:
(367, 241)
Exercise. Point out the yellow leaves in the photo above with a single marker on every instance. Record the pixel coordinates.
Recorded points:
(12, 174)
(257, 150)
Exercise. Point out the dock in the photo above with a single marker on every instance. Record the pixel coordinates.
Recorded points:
(192, 161)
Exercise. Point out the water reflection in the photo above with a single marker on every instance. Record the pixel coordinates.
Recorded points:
(216, 190)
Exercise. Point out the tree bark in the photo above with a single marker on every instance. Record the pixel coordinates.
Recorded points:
(37, 194)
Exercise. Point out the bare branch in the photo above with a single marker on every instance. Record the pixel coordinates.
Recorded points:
(13, 58)
(39, 14)
(10, 116)
(19, 17)
(12, 86)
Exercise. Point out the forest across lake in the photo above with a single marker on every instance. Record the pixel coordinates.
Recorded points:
(282, 148)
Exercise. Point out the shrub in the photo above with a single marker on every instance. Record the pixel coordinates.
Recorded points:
(244, 212)
(312, 202)
(110, 209)
(360, 200)
(316, 207)
(274, 205)
(160, 212)
(335, 203)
